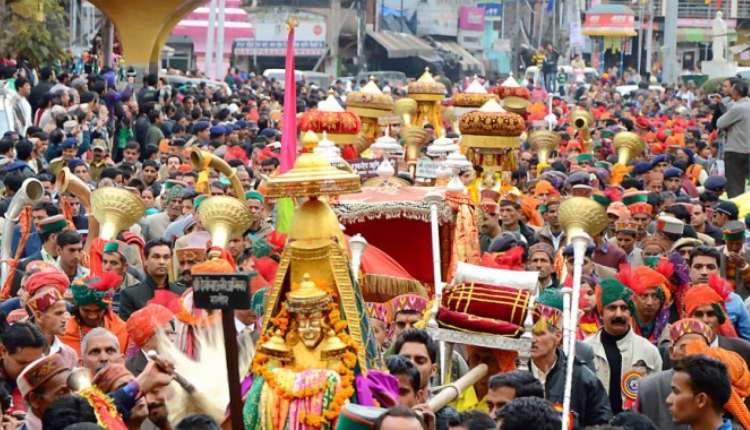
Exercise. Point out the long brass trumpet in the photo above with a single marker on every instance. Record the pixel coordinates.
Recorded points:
(583, 121)
(67, 182)
(31, 191)
(628, 146)
(202, 160)
(543, 142)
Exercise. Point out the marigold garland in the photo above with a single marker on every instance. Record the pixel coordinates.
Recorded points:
(280, 325)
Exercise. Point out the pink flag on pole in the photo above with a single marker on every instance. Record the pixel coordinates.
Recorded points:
(289, 119)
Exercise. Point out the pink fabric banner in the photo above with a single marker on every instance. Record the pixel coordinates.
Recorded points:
(289, 126)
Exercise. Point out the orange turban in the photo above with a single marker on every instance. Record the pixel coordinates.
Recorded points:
(700, 295)
(544, 186)
(739, 376)
(143, 323)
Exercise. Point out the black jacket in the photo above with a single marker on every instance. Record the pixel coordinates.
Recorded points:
(589, 400)
(137, 296)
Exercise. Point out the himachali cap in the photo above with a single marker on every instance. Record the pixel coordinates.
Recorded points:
(619, 209)
(633, 196)
(727, 208)
(408, 302)
(687, 326)
(585, 158)
(686, 241)
(549, 308)
(669, 224)
(734, 230)
(194, 244)
(39, 372)
(53, 224)
(379, 311)
(626, 225)
(106, 377)
(490, 206)
(542, 247)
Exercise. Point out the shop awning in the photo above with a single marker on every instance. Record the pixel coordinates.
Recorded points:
(469, 62)
(609, 20)
(402, 45)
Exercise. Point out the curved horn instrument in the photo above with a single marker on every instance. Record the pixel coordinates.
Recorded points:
(30, 192)
(202, 160)
(450, 392)
(67, 182)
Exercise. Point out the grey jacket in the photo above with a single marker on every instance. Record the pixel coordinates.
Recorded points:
(652, 395)
(736, 123)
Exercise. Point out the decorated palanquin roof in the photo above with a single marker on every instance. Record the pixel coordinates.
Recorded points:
(426, 88)
(341, 126)
(491, 127)
(474, 96)
(376, 203)
(369, 102)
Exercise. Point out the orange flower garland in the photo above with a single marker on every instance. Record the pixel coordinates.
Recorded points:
(280, 325)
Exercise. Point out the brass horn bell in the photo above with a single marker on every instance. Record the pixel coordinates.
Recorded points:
(115, 209)
(544, 142)
(628, 145)
(583, 121)
(224, 217)
(582, 215)
(405, 108)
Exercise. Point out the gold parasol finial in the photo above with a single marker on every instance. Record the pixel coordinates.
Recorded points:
(291, 23)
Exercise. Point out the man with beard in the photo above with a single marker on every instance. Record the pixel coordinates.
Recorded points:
(92, 299)
(47, 309)
(114, 259)
(490, 226)
(621, 357)
(156, 287)
(260, 228)
(703, 263)
(190, 250)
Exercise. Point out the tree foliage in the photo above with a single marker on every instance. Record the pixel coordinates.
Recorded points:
(34, 30)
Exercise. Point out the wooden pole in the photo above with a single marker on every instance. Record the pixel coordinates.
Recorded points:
(231, 353)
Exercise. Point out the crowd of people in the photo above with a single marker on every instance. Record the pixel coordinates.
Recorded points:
(663, 335)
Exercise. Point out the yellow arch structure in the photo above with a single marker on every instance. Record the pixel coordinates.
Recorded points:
(144, 26)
